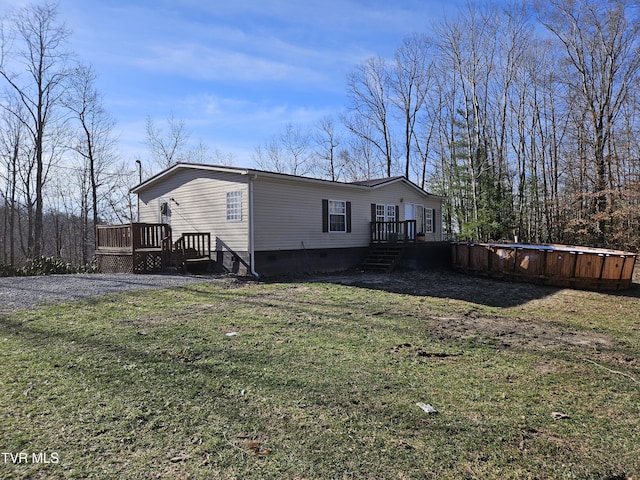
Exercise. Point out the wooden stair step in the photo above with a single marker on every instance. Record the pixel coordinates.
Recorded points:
(383, 257)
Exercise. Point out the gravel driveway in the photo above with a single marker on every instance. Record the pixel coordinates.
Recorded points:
(29, 292)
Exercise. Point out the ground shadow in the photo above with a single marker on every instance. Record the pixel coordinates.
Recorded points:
(446, 283)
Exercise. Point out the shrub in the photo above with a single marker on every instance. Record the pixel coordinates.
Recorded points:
(46, 266)
(91, 267)
(8, 270)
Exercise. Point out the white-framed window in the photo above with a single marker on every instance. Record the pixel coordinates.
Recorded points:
(391, 217)
(428, 220)
(337, 216)
(234, 206)
(391, 213)
(385, 213)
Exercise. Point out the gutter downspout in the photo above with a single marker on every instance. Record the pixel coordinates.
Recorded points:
(252, 264)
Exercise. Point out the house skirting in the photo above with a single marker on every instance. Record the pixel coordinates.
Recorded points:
(281, 262)
(417, 256)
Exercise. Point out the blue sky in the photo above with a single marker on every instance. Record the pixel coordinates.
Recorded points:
(235, 71)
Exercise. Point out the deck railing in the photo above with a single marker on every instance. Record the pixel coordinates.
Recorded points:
(151, 235)
(132, 237)
(194, 245)
(113, 237)
(393, 231)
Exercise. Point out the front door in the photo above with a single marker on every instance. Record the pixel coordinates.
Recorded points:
(410, 214)
(165, 211)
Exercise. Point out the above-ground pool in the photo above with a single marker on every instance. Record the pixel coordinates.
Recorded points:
(559, 265)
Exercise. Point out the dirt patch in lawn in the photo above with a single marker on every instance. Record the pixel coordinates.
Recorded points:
(503, 332)
(474, 325)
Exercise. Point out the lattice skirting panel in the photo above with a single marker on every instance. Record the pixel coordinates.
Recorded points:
(114, 263)
(147, 262)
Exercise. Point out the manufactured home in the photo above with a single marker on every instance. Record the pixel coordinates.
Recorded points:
(258, 222)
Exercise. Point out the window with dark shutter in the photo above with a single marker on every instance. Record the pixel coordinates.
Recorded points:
(336, 216)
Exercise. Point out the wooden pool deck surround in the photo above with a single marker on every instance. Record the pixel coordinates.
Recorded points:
(557, 265)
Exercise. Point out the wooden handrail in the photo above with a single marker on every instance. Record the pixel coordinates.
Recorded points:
(194, 245)
(393, 231)
(133, 236)
(113, 236)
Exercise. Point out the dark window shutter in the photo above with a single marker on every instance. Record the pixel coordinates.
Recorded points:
(433, 220)
(325, 215)
(348, 217)
(373, 212)
(397, 213)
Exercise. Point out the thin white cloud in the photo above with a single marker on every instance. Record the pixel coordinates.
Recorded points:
(190, 48)
(339, 16)
(204, 63)
(217, 113)
(236, 72)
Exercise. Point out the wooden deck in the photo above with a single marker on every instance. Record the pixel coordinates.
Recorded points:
(133, 248)
(148, 247)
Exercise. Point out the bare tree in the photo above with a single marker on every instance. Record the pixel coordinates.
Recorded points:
(600, 40)
(203, 154)
(410, 82)
(34, 66)
(119, 204)
(368, 116)
(467, 48)
(359, 160)
(93, 143)
(11, 134)
(288, 152)
(167, 147)
(270, 157)
(327, 141)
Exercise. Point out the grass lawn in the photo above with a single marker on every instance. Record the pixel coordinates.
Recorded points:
(319, 380)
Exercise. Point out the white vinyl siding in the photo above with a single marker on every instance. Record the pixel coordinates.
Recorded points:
(289, 215)
(288, 212)
(199, 206)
